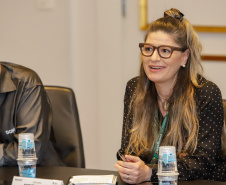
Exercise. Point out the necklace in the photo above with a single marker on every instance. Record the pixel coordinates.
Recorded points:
(165, 103)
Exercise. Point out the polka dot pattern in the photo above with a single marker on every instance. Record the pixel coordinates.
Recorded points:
(204, 163)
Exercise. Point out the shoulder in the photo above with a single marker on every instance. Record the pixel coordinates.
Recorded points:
(22, 74)
(208, 88)
(132, 83)
(130, 88)
(208, 94)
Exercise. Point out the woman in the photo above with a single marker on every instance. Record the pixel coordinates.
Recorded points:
(171, 97)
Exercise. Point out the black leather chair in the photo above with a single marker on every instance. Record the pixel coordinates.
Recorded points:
(66, 135)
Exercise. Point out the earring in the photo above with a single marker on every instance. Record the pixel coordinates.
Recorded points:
(183, 66)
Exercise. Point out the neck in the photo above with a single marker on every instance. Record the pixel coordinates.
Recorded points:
(164, 90)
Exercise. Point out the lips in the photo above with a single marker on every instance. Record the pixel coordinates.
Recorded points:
(156, 67)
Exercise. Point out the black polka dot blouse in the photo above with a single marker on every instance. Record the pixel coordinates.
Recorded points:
(206, 161)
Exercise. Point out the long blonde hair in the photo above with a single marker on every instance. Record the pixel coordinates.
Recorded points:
(182, 125)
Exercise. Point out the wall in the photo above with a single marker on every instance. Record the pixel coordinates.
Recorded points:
(84, 64)
(91, 47)
(37, 38)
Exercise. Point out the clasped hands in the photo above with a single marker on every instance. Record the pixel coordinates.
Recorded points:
(134, 170)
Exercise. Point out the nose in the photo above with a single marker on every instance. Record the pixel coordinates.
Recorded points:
(155, 56)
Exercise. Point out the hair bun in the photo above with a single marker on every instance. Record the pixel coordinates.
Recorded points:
(174, 13)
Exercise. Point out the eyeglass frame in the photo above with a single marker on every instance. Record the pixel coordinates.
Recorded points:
(154, 48)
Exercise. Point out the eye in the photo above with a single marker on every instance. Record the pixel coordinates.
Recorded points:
(147, 48)
(165, 49)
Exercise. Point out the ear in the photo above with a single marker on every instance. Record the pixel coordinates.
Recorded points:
(185, 57)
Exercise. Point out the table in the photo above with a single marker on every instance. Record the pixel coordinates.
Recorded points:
(63, 173)
(52, 172)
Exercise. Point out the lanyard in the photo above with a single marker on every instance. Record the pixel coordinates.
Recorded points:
(155, 156)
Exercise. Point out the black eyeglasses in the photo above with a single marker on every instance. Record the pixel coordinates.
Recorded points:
(163, 51)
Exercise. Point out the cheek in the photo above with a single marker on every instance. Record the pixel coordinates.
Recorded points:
(145, 61)
(177, 62)
(145, 65)
(173, 69)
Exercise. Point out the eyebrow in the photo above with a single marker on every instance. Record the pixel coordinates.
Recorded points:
(163, 45)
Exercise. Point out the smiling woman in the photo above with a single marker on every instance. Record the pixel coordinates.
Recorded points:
(171, 104)
(162, 67)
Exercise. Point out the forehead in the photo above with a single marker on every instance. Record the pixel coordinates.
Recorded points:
(161, 38)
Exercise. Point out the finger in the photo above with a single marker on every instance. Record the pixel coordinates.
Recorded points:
(119, 167)
(132, 158)
(120, 163)
(123, 170)
(130, 166)
(116, 166)
(124, 164)
(126, 178)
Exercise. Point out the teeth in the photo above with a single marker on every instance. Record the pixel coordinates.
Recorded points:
(156, 67)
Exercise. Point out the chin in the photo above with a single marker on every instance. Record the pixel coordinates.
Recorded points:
(155, 80)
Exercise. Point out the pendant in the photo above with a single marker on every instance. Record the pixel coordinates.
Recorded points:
(153, 161)
(165, 105)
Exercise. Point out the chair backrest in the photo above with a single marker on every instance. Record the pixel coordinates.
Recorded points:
(66, 136)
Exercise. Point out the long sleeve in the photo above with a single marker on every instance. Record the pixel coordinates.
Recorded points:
(127, 116)
(32, 115)
(200, 164)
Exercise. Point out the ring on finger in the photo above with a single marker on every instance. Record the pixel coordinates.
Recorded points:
(127, 178)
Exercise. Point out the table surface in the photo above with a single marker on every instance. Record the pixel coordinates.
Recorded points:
(64, 173)
(51, 172)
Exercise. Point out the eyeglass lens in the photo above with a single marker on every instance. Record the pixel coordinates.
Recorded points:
(163, 51)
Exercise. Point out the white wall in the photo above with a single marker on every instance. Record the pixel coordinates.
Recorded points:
(36, 38)
(84, 64)
(89, 46)
(215, 70)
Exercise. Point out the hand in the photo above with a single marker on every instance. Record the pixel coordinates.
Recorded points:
(134, 170)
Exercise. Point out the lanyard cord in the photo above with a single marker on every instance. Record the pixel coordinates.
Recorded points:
(155, 156)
